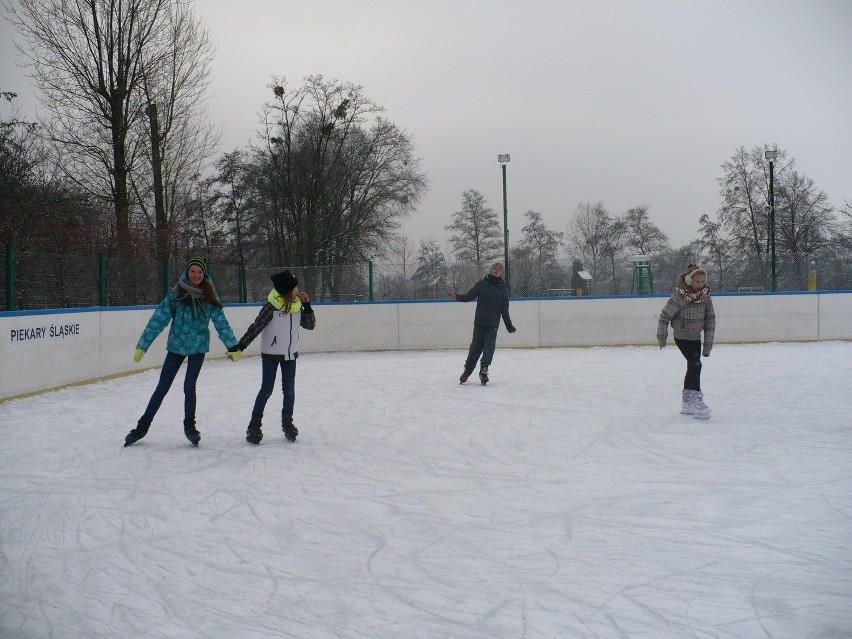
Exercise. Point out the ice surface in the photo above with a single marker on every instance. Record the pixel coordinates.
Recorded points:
(568, 498)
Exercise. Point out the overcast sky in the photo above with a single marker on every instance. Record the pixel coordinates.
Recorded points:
(619, 101)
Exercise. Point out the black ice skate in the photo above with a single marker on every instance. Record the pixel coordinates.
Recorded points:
(483, 375)
(191, 432)
(136, 434)
(290, 430)
(253, 432)
(463, 377)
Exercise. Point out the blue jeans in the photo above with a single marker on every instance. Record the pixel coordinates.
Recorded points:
(288, 385)
(484, 342)
(167, 376)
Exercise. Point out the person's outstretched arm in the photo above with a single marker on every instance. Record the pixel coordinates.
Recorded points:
(471, 295)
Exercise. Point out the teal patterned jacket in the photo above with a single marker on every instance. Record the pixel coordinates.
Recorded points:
(190, 331)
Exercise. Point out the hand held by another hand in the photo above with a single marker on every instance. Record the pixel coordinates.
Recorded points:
(236, 356)
(137, 355)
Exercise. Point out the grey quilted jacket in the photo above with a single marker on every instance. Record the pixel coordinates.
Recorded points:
(688, 318)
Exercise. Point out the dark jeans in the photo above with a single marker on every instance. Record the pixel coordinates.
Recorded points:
(288, 385)
(167, 376)
(484, 342)
(691, 350)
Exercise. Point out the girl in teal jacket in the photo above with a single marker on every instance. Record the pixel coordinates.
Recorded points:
(189, 306)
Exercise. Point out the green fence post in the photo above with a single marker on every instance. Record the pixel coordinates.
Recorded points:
(10, 278)
(370, 277)
(241, 284)
(102, 279)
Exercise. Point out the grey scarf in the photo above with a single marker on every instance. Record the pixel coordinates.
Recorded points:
(194, 293)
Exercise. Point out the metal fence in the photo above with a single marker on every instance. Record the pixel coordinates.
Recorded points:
(46, 281)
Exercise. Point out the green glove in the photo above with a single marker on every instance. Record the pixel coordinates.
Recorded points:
(137, 355)
(236, 356)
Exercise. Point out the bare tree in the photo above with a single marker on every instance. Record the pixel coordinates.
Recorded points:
(716, 244)
(205, 228)
(39, 210)
(805, 221)
(587, 236)
(399, 256)
(843, 235)
(539, 245)
(400, 250)
(339, 177)
(177, 125)
(744, 187)
(614, 239)
(476, 234)
(22, 191)
(525, 272)
(87, 59)
(234, 200)
(543, 241)
(430, 278)
(641, 235)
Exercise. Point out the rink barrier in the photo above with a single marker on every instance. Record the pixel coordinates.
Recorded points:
(48, 349)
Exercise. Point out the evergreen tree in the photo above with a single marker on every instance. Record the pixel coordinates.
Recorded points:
(476, 230)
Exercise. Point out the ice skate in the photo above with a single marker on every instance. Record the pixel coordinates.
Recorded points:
(701, 410)
(253, 433)
(483, 375)
(463, 377)
(686, 404)
(290, 430)
(137, 433)
(191, 432)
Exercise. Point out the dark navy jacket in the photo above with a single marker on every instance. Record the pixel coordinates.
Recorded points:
(492, 302)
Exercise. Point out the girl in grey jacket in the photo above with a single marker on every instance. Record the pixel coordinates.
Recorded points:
(690, 311)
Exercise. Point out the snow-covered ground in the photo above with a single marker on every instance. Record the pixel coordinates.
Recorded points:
(568, 498)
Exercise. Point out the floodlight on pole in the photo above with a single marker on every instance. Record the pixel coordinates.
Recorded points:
(503, 159)
(771, 156)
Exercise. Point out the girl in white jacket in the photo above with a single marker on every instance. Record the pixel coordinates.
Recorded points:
(278, 323)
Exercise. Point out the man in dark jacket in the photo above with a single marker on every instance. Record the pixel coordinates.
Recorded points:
(492, 302)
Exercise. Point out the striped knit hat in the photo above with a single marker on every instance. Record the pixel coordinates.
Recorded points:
(197, 261)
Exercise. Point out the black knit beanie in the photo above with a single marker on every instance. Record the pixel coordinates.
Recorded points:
(284, 282)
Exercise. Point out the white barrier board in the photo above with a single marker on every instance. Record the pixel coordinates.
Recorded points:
(46, 349)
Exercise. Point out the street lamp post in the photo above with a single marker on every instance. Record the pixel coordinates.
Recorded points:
(503, 159)
(771, 155)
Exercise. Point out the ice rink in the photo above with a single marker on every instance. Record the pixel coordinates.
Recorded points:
(568, 498)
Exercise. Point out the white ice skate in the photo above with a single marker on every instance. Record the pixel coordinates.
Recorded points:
(700, 409)
(686, 406)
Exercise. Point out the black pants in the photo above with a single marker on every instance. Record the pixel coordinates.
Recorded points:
(691, 350)
(484, 342)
